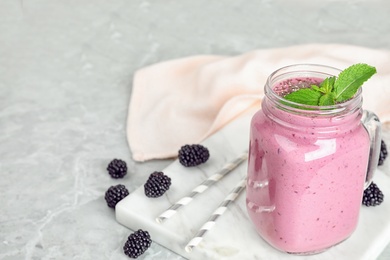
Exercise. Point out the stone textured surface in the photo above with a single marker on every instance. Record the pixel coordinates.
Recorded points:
(66, 69)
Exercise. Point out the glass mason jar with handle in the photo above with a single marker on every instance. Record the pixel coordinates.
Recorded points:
(308, 165)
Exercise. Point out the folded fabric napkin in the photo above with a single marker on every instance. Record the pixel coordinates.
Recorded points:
(184, 101)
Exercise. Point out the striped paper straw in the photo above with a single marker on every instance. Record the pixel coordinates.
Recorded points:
(214, 217)
(202, 187)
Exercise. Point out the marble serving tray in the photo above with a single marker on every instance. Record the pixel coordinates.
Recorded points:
(233, 236)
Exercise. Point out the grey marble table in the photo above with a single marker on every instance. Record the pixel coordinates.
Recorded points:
(66, 71)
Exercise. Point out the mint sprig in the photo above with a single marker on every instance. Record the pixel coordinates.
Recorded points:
(334, 90)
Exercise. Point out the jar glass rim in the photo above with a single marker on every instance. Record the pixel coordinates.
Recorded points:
(308, 70)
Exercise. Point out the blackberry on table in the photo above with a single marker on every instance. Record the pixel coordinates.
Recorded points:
(383, 153)
(157, 184)
(137, 243)
(372, 196)
(115, 194)
(193, 155)
(117, 168)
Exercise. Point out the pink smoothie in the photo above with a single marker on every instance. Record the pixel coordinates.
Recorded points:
(305, 177)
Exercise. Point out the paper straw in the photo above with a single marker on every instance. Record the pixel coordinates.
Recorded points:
(201, 187)
(214, 217)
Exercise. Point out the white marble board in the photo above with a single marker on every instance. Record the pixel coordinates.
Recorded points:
(233, 237)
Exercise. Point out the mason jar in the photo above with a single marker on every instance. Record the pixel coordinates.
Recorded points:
(308, 165)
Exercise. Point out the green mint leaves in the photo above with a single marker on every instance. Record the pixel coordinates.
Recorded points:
(350, 80)
(334, 90)
(307, 96)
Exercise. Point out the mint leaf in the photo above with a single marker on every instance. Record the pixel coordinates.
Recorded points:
(326, 86)
(350, 80)
(316, 88)
(327, 99)
(306, 96)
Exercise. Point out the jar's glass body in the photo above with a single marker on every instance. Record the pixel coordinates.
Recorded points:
(306, 170)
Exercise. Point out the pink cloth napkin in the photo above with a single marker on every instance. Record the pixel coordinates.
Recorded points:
(184, 101)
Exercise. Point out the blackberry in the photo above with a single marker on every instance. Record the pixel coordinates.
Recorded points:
(117, 168)
(383, 153)
(193, 155)
(115, 194)
(157, 184)
(137, 243)
(372, 196)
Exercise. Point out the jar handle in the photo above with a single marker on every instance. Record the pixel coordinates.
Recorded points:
(373, 126)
